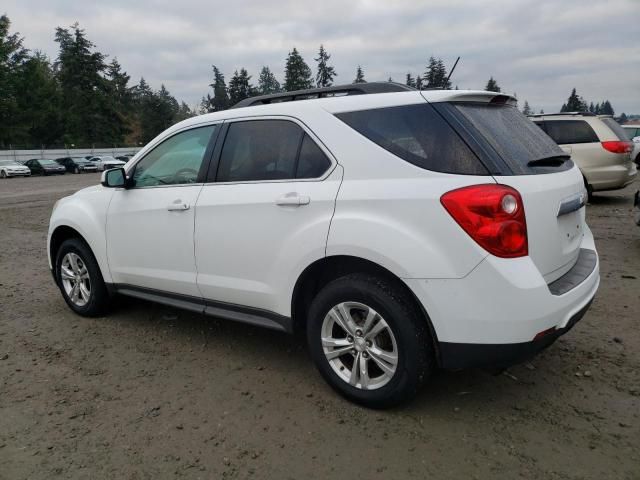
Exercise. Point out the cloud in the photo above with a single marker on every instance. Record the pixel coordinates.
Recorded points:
(539, 49)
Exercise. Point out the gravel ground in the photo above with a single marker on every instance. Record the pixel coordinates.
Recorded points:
(152, 392)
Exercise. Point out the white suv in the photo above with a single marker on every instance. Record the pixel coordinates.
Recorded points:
(402, 231)
(597, 143)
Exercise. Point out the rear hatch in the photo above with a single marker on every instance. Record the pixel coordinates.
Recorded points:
(522, 156)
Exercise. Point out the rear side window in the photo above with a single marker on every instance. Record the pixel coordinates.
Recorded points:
(260, 150)
(570, 131)
(616, 128)
(312, 162)
(515, 138)
(417, 134)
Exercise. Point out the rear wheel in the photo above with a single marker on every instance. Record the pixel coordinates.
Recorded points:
(368, 341)
(589, 189)
(80, 280)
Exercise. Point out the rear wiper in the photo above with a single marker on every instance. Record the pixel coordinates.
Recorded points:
(553, 161)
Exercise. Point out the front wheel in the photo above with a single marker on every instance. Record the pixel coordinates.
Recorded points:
(3, 174)
(80, 280)
(368, 340)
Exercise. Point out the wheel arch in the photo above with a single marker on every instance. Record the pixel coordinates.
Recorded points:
(324, 270)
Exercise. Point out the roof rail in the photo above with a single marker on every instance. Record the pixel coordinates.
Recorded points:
(334, 91)
(586, 114)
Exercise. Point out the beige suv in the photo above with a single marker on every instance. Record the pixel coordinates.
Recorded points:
(596, 143)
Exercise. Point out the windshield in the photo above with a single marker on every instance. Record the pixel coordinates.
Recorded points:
(515, 138)
(80, 160)
(108, 158)
(48, 162)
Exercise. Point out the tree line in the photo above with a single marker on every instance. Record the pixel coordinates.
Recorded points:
(82, 99)
(299, 76)
(78, 99)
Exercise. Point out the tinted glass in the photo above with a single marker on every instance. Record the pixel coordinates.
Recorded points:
(175, 161)
(312, 162)
(515, 138)
(259, 150)
(570, 131)
(47, 162)
(616, 128)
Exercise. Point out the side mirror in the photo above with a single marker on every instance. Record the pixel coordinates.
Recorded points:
(114, 178)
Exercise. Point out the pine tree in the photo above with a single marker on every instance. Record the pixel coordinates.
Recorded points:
(592, 108)
(240, 86)
(575, 103)
(431, 73)
(410, 81)
(623, 119)
(419, 82)
(12, 57)
(220, 99)
(92, 117)
(297, 74)
(325, 74)
(541, 112)
(526, 109)
(267, 82)
(492, 86)
(359, 76)
(435, 75)
(607, 109)
(39, 118)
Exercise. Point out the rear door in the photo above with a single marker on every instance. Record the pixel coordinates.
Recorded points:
(552, 189)
(265, 215)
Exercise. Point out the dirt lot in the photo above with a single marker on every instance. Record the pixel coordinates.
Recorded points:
(151, 392)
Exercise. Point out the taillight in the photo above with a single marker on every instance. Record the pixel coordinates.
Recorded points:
(618, 146)
(493, 215)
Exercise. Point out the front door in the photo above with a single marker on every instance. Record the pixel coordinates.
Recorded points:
(266, 216)
(150, 225)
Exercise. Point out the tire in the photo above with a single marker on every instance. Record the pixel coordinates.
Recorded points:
(96, 302)
(3, 174)
(589, 189)
(406, 335)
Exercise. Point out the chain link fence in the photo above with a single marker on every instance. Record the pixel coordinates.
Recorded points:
(23, 153)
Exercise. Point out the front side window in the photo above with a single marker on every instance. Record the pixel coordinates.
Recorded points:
(260, 150)
(175, 161)
(570, 131)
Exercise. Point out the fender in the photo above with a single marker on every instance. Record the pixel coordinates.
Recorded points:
(87, 215)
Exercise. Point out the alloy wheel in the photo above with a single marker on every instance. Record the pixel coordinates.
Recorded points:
(75, 279)
(359, 345)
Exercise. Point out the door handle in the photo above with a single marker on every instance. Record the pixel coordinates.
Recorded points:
(293, 199)
(178, 206)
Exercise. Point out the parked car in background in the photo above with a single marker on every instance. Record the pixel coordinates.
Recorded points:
(105, 162)
(126, 157)
(45, 166)
(598, 145)
(10, 168)
(77, 164)
(633, 132)
(402, 231)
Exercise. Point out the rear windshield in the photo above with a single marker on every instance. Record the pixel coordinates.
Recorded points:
(418, 135)
(515, 138)
(617, 129)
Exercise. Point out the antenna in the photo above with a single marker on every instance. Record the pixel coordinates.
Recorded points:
(451, 72)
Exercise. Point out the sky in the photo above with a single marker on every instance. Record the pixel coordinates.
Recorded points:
(538, 49)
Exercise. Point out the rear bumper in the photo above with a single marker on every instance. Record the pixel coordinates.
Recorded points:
(456, 356)
(492, 315)
(612, 177)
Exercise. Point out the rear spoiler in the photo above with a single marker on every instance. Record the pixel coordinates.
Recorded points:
(477, 96)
